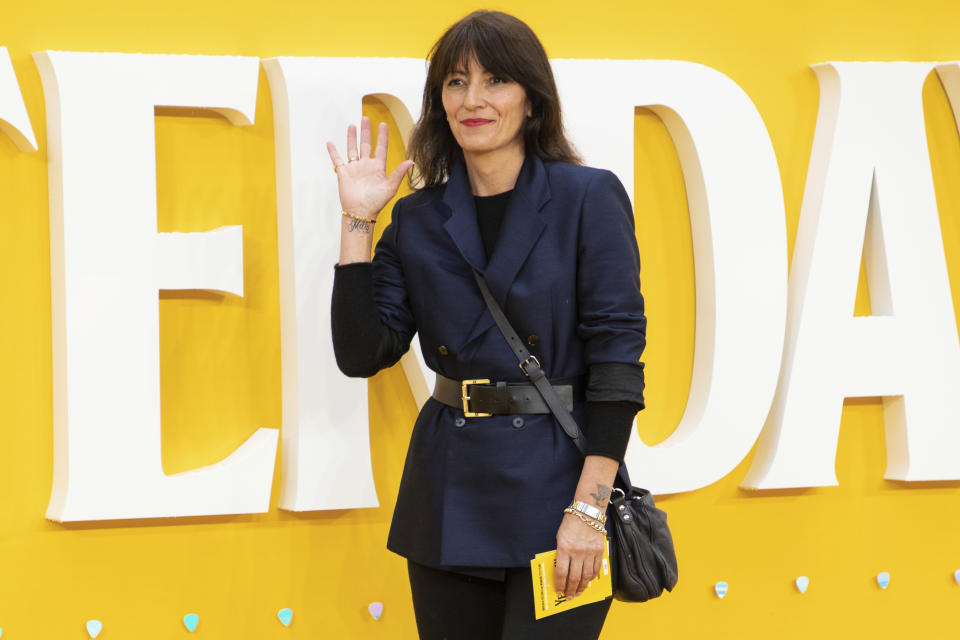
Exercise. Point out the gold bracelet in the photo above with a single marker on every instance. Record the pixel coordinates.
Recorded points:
(350, 215)
(590, 522)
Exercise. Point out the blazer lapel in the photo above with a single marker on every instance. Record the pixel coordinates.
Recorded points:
(521, 227)
(462, 225)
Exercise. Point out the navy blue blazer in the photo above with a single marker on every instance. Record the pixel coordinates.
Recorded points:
(490, 492)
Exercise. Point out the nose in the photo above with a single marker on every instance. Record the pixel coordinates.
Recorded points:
(474, 97)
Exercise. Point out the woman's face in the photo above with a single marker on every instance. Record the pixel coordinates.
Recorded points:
(485, 113)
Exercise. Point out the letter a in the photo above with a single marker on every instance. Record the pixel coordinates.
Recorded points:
(869, 177)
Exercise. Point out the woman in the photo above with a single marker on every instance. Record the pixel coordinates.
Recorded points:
(501, 191)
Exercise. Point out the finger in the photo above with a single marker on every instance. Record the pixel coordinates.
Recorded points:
(365, 137)
(597, 566)
(560, 573)
(383, 134)
(397, 176)
(591, 567)
(334, 154)
(352, 153)
(588, 574)
(573, 577)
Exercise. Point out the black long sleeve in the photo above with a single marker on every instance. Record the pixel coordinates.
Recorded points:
(362, 343)
(614, 396)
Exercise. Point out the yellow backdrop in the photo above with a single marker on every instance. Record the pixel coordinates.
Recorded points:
(221, 356)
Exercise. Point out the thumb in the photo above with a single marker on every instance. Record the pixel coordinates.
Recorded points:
(397, 176)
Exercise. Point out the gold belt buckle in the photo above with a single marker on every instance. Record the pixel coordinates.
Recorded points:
(466, 399)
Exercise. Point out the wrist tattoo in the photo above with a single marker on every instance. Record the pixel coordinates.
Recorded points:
(602, 496)
(358, 225)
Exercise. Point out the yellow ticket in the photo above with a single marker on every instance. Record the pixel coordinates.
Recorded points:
(546, 601)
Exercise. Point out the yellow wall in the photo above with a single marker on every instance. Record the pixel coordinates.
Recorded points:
(221, 363)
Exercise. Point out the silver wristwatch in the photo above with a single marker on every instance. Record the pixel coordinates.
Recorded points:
(588, 510)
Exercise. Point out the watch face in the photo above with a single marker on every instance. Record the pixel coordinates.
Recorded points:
(589, 510)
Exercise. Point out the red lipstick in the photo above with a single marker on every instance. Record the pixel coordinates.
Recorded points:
(475, 122)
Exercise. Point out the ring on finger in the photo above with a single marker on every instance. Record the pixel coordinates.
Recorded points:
(352, 159)
(337, 166)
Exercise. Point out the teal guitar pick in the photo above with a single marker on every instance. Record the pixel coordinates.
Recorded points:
(375, 609)
(94, 627)
(883, 579)
(720, 588)
(285, 616)
(190, 621)
(802, 583)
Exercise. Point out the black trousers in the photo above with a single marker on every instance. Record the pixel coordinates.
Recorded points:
(454, 606)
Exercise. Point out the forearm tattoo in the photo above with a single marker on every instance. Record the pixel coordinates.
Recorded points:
(358, 225)
(602, 496)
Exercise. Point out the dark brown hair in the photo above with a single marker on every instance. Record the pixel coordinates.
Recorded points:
(508, 48)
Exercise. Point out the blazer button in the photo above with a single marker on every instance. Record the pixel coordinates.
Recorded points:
(517, 422)
(533, 339)
(442, 349)
(459, 422)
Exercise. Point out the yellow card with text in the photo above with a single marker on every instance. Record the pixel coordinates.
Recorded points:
(546, 601)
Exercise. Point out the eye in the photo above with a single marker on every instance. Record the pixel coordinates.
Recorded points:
(454, 82)
(498, 80)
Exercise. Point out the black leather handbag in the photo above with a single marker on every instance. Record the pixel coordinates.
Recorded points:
(643, 552)
(643, 545)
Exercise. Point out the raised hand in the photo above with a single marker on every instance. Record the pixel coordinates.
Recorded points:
(365, 188)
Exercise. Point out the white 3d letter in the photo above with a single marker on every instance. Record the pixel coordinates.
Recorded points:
(326, 435)
(108, 264)
(869, 176)
(739, 247)
(14, 120)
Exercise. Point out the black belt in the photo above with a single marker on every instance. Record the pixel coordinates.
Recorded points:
(481, 398)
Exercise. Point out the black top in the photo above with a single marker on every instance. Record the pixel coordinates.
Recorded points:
(361, 340)
(490, 212)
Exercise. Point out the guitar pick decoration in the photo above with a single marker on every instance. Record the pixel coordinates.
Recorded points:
(1, 633)
(94, 627)
(883, 579)
(285, 616)
(956, 576)
(375, 609)
(720, 588)
(802, 583)
(190, 621)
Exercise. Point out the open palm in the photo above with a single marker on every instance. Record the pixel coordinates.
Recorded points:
(365, 188)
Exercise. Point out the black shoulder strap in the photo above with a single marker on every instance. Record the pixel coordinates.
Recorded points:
(531, 366)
